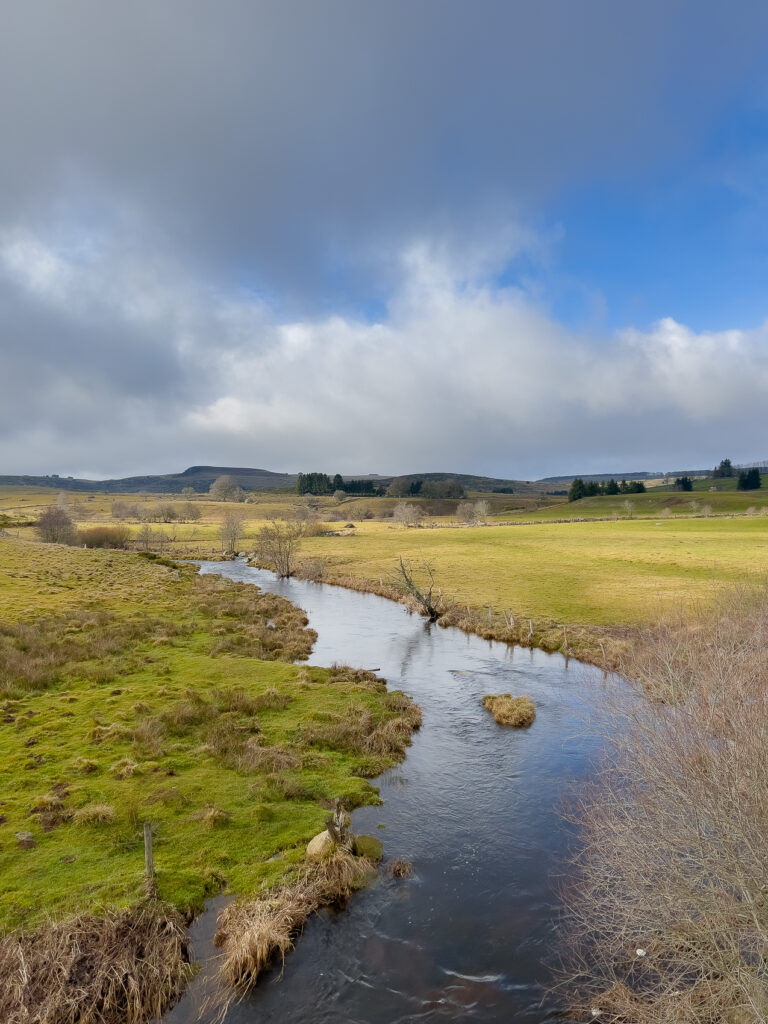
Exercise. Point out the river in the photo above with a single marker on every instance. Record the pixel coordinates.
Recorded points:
(475, 807)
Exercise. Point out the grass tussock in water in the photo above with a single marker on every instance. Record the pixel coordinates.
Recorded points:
(122, 967)
(518, 712)
(252, 934)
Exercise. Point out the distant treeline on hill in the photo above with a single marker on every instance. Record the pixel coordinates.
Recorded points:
(591, 488)
(321, 483)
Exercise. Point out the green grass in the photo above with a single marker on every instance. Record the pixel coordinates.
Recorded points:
(593, 573)
(113, 694)
(656, 501)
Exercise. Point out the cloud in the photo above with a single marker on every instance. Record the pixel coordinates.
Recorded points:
(274, 234)
(291, 143)
(139, 367)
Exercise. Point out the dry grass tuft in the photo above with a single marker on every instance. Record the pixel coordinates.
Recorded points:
(212, 816)
(400, 868)
(94, 814)
(519, 712)
(105, 733)
(256, 758)
(126, 967)
(84, 766)
(253, 933)
(125, 768)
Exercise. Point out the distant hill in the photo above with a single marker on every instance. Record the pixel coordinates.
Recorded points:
(198, 477)
(598, 476)
(201, 478)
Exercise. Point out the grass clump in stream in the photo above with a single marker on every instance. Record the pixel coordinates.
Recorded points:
(518, 712)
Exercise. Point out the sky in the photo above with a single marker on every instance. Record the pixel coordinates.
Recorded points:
(518, 238)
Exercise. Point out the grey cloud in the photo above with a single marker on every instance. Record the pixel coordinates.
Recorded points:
(224, 186)
(275, 139)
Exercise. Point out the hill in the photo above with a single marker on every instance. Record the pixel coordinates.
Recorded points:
(201, 477)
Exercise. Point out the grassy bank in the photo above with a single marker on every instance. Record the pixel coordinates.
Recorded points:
(137, 691)
(583, 586)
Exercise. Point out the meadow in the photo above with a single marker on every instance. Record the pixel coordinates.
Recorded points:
(592, 564)
(133, 690)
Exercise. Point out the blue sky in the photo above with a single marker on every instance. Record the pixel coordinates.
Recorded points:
(520, 237)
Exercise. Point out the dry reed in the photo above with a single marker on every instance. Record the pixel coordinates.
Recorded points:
(127, 967)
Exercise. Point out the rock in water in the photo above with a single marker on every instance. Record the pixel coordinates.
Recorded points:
(321, 846)
(368, 846)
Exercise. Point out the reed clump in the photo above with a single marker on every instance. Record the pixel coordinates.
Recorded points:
(253, 933)
(124, 967)
(517, 712)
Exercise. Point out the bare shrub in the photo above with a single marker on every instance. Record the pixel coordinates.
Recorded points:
(278, 547)
(482, 510)
(231, 529)
(105, 537)
(407, 514)
(419, 584)
(667, 919)
(465, 512)
(55, 526)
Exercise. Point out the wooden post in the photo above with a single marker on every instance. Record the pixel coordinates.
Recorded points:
(149, 860)
(530, 628)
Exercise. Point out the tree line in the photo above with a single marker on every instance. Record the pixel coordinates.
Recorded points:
(321, 483)
(591, 488)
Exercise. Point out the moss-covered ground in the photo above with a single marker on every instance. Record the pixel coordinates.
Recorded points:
(133, 691)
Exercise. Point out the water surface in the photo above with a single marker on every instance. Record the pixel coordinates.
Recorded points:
(474, 807)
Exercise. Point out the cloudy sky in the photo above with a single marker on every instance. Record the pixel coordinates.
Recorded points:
(519, 238)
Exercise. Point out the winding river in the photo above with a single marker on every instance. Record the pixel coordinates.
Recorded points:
(474, 806)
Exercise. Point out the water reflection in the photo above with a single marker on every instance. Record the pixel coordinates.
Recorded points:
(474, 807)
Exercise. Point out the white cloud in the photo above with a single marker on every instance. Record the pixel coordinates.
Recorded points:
(459, 374)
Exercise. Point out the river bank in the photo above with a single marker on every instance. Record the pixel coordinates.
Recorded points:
(476, 808)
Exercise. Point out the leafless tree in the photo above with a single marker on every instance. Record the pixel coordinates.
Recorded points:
(406, 514)
(465, 512)
(339, 496)
(418, 582)
(55, 526)
(482, 510)
(629, 509)
(226, 488)
(399, 488)
(191, 512)
(278, 547)
(231, 529)
(145, 537)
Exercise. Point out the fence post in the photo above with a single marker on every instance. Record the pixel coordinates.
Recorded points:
(149, 860)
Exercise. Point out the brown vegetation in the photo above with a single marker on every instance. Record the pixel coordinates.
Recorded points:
(519, 712)
(124, 967)
(251, 934)
(668, 917)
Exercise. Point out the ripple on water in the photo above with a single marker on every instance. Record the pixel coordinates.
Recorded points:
(474, 806)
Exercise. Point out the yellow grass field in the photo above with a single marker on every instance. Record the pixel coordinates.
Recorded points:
(595, 573)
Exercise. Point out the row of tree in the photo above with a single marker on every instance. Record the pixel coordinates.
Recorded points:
(749, 480)
(320, 484)
(403, 487)
(591, 488)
